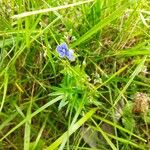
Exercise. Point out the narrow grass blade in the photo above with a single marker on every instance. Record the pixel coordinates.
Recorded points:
(23, 46)
(126, 141)
(117, 138)
(71, 130)
(28, 128)
(119, 127)
(105, 136)
(32, 115)
(25, 14)
(5, 90)
(144, 20)
(135, 73)
(134, 52)
(100, 25)
(114, 75)
(7, 121)
(39, 135)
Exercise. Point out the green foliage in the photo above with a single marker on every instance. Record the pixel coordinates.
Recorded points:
(39, 146)
(74, 89)
(47, 102)
(128, 117)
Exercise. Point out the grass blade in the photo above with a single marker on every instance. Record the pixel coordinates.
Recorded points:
(100, 25)
(32, 115)
(71, 130)
(5, 90)
(25, 14)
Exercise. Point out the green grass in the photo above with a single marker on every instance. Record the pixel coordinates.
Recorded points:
(48, 102)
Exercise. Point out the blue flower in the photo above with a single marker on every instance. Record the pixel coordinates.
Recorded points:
(63, 51)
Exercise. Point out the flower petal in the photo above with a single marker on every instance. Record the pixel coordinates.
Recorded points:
(70, 55)
(62, 49)
(64, 46)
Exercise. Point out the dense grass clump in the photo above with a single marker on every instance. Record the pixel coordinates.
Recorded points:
(74, 74)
